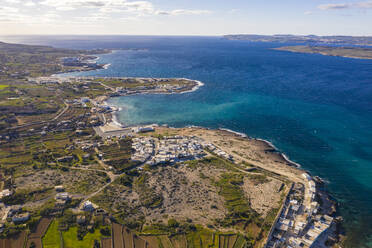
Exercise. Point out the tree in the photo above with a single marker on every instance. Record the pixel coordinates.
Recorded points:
(96, 244)
(173, 223)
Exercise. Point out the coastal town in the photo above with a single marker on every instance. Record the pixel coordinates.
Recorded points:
(70, 170)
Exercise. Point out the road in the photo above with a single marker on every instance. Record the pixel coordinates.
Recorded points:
(108, 87)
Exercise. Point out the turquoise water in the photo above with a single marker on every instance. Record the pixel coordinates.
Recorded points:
(317, 109)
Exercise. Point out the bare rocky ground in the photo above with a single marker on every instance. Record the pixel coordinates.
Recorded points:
(188, 193)
(263, 197)
(185, 196)
(75, 181)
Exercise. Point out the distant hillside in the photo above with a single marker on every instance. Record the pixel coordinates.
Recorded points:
(347, 52)
(34, 60)
(336, 40)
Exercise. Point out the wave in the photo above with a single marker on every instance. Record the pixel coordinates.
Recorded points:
(234, 132)
(195, 88)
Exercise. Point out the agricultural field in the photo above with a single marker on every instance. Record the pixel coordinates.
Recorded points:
(70, 239)
(34, 238)
(52, 238)
(118, 155)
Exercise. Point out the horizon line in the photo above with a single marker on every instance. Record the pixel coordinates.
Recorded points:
(186, 35)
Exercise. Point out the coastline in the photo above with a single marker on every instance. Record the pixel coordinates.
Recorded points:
(114, 114)
(269, 144)
(195, 88)
(275, 154)
(332, 53)
(97, 57)
(117, 122)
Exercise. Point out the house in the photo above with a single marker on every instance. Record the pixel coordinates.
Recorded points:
(62, 196)
(14, 210)
(60, 203)
(5, 193)
(80, 219)
(59, 188)
(21, 217)
(88, 206)
(85, 100)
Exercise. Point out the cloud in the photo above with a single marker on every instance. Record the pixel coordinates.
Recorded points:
(102, 5)
(13, 1)
(338, 6)
(364, 5)
(117, 6)
(90, 12)
(183, 12)
(29, 4)
(72, 4)
(334, 6)
(10, 15)
(90, 19)
(233, 11)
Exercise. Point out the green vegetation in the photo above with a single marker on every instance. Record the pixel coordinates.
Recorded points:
(195, 236)
(70, 238)
(23, 196)
(240, 241)
(118, 155)
(235, 202)
(52, 238)
(258, 179)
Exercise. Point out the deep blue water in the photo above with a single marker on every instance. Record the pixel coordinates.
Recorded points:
(317, 109)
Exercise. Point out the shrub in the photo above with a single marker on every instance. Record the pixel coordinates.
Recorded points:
(173, 223)
(106, 231)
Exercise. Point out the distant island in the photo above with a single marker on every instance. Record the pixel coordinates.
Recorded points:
(347, 52)
(309, 39)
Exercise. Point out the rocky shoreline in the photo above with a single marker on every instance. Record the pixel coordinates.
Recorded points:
(327, 205)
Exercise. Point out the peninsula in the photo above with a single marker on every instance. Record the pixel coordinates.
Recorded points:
(71, 175)
(347, 52)
(339, 40)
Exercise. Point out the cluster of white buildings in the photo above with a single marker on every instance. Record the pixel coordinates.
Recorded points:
(311, 190)
(167, 150)
(144, 149)
(300, 225)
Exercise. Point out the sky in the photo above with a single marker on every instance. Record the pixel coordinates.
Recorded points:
(186, 17)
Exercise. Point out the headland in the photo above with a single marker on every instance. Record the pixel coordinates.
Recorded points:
(346, 52)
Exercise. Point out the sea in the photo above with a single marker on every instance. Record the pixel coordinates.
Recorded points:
(316, 109)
